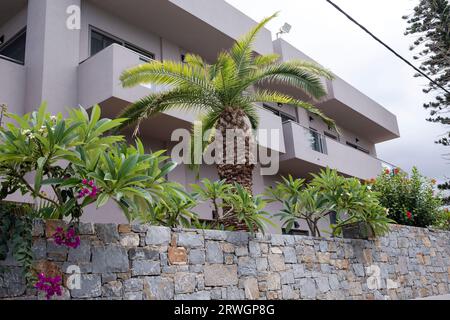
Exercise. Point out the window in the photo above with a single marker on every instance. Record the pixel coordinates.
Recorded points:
(357, 147)
(100, 40)
(317, 141)
(15, 47)
(284, 116)
(2, 39)
(145, 55)
(331, 136)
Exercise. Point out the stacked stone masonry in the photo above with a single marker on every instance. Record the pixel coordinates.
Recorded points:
(141, 262)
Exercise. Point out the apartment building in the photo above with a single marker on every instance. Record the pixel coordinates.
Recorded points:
(46, 56)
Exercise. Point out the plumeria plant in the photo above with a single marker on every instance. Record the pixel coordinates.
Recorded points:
(69, 163)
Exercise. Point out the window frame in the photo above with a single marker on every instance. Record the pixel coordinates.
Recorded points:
(280, 113)
(145, 55)
(7, 43)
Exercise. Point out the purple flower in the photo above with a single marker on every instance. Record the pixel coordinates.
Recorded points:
(69, 238)
(51, 286)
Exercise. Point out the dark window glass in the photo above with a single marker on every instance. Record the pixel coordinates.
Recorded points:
(284, 116)
(145, 55)
(329, 135)
(100, 41)
(317, 142)
(15, 48)
(357, 147)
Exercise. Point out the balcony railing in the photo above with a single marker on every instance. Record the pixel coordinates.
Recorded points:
(318, 142)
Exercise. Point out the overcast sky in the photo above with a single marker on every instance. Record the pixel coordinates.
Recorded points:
(324, 34)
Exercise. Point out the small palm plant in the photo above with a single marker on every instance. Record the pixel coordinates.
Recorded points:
(225, 94)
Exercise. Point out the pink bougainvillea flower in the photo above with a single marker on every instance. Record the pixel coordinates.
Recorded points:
(69, 238)
(51, 286)
(84, 181)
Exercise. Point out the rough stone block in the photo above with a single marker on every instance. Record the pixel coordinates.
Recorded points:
(143, 254)
(91, 287)
(158, 288)
(145, 268)
(190, 240)
(214, 253)
(177, 255)
(110, 258)
(197, 256)
(107, 232)
(185, 282)
(80, 254)
(220, 275)
(157, 236)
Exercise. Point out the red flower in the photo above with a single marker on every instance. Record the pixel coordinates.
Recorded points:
(387, 171)
(396, 170)
(433, 181)
(409, 215)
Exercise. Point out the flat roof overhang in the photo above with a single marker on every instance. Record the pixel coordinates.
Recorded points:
(200, 26)
(358, 113)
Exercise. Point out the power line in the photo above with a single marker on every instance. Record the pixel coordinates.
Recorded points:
(386, 46)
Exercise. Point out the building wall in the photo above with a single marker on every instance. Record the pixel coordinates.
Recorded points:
(142, 262)
(93, 16)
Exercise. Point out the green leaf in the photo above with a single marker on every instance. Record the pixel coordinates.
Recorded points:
(102, 200)
(39, 172)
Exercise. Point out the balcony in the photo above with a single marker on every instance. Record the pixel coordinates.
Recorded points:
(98, 83)
(12, 84)
(345, 104)
(309, 151)
(201, 26)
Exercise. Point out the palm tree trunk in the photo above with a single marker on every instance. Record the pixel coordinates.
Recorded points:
(237, 153)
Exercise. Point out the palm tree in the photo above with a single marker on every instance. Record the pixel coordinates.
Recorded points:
(226, 93)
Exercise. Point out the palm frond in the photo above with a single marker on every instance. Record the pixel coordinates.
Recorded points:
(293, 75)
(181, 99)
(267, 59)
(311, 67)
(241, 52)
(167, 73)
(276, 97)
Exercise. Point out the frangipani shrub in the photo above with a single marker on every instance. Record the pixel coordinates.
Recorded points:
(328, 192)
(69, 163)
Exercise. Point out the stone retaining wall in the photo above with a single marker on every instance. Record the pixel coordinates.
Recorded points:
(146, 262)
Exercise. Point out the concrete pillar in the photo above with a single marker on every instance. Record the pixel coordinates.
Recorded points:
(52, 56)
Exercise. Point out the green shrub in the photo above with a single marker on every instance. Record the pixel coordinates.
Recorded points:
(75, 162)
(410, 200)
(329, 192)
(230, 203)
